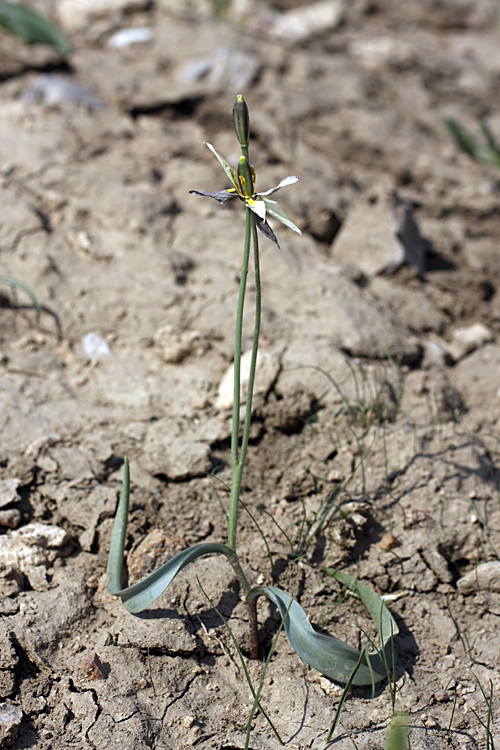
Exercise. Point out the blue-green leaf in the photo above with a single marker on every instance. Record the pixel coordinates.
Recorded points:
(32, 27)
(19, 285)
(330, 656)
(139, 596)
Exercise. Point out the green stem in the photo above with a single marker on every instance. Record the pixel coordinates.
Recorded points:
(238, 455)
(236, 462)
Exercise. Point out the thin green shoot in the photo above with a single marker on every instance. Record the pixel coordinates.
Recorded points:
(345, 692)
(243, 662)
(217, 494)
(263, 536)
(19, 285)
(151, 675)
(399, 734)
(264, 670)
(279, 527)
(462, 638)
(490, 742)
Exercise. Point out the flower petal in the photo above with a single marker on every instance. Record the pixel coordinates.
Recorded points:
(276, 212)
(257, 206)
(222, 196)
(267, 231)
(283, 183)
(231, 173)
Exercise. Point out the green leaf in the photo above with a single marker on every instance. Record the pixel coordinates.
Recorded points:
(327, 654)
(139, 596)
(32, 27)
(464, 140)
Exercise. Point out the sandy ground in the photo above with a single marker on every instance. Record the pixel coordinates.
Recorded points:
(397, 433)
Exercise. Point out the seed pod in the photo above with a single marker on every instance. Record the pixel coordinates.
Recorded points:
(245, 177)
(241, 120)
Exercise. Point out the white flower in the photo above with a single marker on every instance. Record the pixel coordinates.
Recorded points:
(243, 182)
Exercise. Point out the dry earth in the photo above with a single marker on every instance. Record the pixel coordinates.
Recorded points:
(399, 431)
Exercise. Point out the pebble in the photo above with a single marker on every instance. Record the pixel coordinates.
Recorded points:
(8, 491)
(486, 577)
(10, 518)
(174, 346)
(267, 370)
(32, 548)
(301, 24)
(466, 340)
(50, 89)
(75, 15)
(127, 37)
(379, 234)
(151, 552)
(95, 347)
(10, 721)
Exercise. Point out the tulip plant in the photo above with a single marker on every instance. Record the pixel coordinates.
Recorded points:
(328, 655)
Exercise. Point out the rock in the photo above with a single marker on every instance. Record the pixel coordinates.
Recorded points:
(175, 456)
(75, 15)
(267, 369)
(381, 51)
(436, 353)
(127, 37)
(32, 549)
(174, 346)
(467, 339)
(379, 234)
(410, 306)
(10, 518)
(301, 24)
(50, 89)
(151, 552)
(486, 577)
(8, 491)
(95, 347)
(10, 721)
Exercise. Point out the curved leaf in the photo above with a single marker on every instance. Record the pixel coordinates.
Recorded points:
(32, 27)
(19, 285)
(139, 596)
(327, 654)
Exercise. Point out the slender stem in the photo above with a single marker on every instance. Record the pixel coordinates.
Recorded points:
(236, 463)
(238, 456)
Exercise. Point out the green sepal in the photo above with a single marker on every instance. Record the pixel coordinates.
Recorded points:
(230, 172)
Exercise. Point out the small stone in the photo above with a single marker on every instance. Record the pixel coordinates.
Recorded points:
(10, 721)
(10, 518)
(388, 542)
(75, 15)
(8, 606)
(486, 577)
(92, 667)
(467, 339)
(8, 491)
(302, 23)
(175, 346)
(266, 372)
(151, 552)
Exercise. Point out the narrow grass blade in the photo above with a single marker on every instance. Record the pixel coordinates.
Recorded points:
(19, 285)
(327, 654)
(139, 596)
(32, 27)
(256, 695)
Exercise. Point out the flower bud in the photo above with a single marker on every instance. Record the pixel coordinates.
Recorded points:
(241, 120)
(245, 177)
